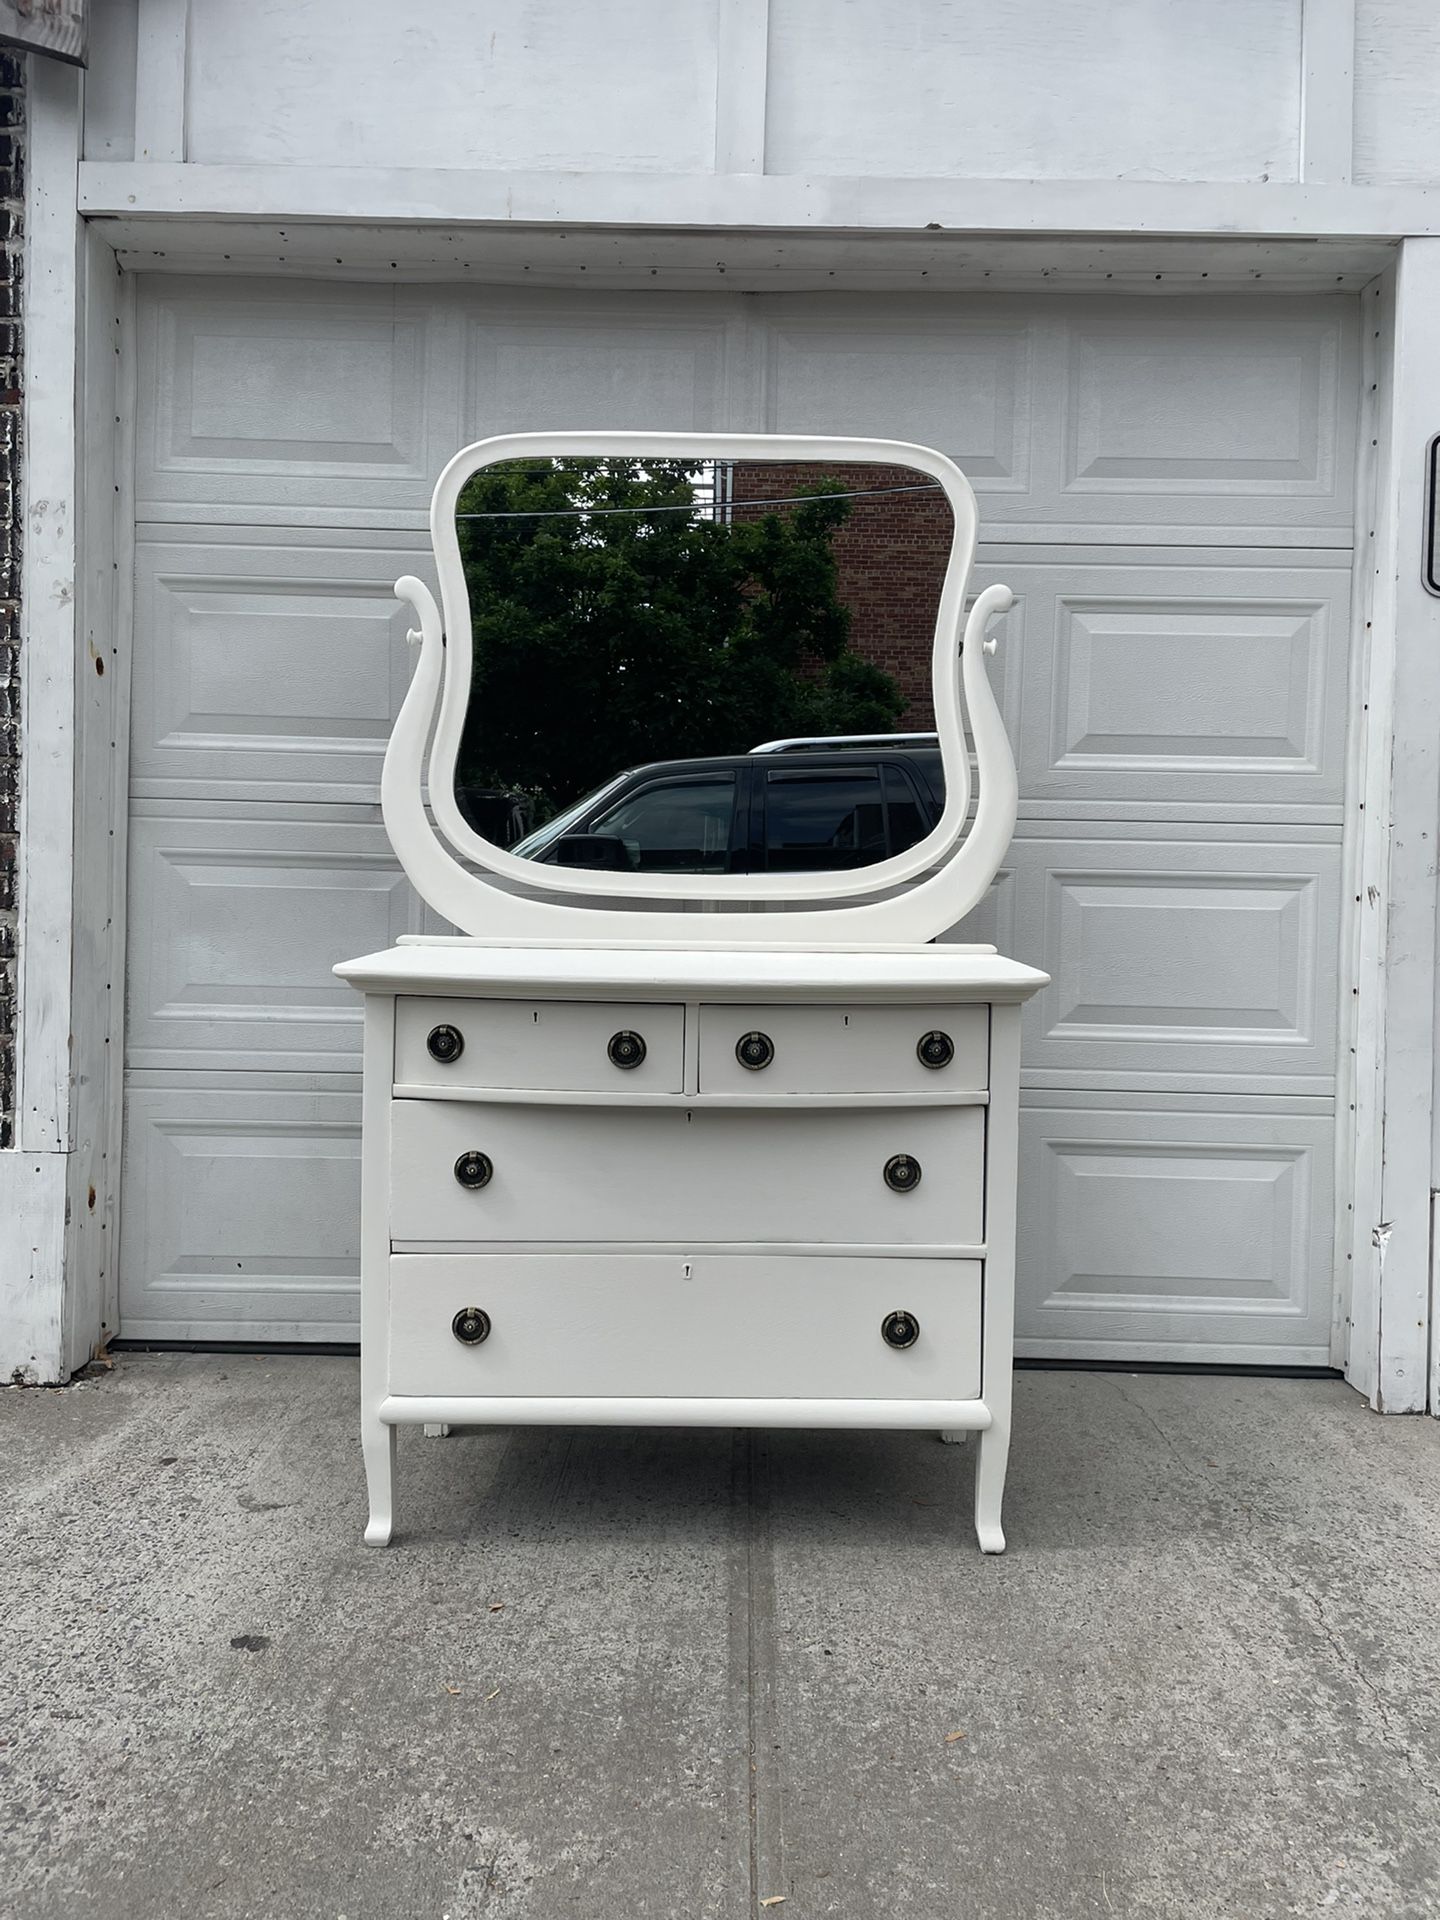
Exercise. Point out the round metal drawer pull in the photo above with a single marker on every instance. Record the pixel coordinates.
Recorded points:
(935, 1049)
(445, 1044)
(900, 1329)
(754, 1050)
(626, 1049)
(902, 1173)
(474, 1169)
(471, 1325)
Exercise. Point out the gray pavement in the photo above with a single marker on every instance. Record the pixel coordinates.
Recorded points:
(679, 1674)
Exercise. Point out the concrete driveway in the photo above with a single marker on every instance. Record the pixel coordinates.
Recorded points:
(689, 1674)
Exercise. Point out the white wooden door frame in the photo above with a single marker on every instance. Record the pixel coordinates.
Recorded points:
(58, 1191)
(1392, 816)
(59, 1184)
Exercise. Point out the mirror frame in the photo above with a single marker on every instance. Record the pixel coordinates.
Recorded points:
(941, 867)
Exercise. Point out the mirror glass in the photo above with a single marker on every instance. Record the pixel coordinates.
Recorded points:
(709, 668)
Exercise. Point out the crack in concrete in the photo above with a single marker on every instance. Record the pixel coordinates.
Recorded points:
(1151, 1421)
(1393, 1739)
(753, 1668)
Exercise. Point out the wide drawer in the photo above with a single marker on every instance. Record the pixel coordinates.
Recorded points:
(563, 1046)
(721, 1325)
(687, 1174)
(843, 1049)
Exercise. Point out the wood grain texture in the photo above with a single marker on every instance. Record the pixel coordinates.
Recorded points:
(741, 83)
(1137, 90)
(1327, 89)
(161, 75)
(1397, 92)
(1409, 618)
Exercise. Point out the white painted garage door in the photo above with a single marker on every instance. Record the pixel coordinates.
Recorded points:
(1166, 483)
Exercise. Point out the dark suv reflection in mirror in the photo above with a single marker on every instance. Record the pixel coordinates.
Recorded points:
(797, 808)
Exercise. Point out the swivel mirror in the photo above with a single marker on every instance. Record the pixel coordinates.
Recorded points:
(616, 603)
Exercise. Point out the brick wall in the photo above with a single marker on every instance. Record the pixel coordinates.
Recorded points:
(12, 189)
(890, 555)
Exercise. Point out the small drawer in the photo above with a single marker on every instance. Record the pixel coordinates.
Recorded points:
(561, 1046)
(838, 1049)
(711, 1326)
(648, 1173)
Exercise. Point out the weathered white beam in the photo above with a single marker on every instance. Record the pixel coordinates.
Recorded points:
(754, 202)
(33, 1177)
(1414, 817)
(32, 1251)
(104, 466)
(47, 588)
(161, 55)
(1400, 797)
(772, 261)
(1360, 1144)
(1327, 92)
(742, 56)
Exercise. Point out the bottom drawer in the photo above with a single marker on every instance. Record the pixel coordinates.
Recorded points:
(712, 1326)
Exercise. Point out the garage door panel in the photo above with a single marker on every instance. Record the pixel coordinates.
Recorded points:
(1149, 684)
(602, 366)
(961, 379)
(1176, 955)
(275, 669)
(241, 1215)
(1242, 401)
(1075, 413)
(992, 922)
(266, 393)
(1143, 1234)
(244, 919)
(1093, 418)
(1195, 684)
(1231, 419)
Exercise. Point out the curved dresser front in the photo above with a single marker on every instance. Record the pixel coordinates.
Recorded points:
(652, 1186)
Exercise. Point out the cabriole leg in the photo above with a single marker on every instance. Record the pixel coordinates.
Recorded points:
(378, 1442)
(994, 1453)
(997, 1370)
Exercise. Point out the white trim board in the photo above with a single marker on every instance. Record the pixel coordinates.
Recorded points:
(721, 203)
(33, 1175)
(742, 59)
(1395, 813)
(1327, 90)
(106, 535)
(57, 1189)
(777, 261)
(162, 38)
(47, 612)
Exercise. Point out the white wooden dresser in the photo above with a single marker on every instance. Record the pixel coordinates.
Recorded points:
(723, 1168)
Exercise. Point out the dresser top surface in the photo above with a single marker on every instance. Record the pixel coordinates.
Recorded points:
(914, 973)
